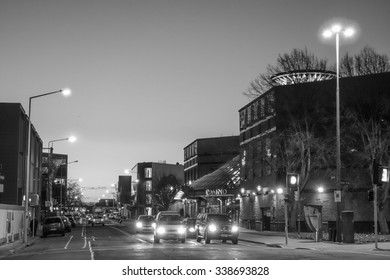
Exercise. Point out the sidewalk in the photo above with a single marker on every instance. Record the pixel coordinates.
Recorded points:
(16, 246)
(278, 239)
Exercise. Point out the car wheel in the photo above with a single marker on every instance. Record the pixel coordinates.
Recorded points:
(102, 224)
(182, 240)
(156, 240)
(63, 234)
(235, 241)
(93, 224)
(224, 241)
(206, 237)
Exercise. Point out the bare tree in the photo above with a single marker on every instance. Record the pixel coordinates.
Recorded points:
(297, 60)
(165, 192)
(367, 62)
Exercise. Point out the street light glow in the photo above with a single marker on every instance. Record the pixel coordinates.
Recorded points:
(66, 91)
(72, 139)
(279, 190)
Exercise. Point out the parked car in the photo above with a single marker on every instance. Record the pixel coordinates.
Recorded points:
(99, 220)
(53, 225)
(169, 225)
(67, 224)
(72, 220)
(216, 226)
(145, 223)
(190, 227)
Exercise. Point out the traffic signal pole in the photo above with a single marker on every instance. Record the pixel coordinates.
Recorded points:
(376, 215)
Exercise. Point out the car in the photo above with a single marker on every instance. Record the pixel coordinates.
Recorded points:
(216, 226)
(145, 223)
(190, 227)
(72, 220)
(97, 220)
(53, 225)
(169, 225)
(67, 224)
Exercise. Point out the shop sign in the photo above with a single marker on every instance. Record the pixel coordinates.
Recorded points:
(216, 192)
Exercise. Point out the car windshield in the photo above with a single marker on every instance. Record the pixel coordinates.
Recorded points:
(219, 218)
(146, 218)
(170, 218)
(52, 220)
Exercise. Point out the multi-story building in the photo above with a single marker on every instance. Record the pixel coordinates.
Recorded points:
(205, 155)
(152, 186)
(13, 155)
(268, 117)
(54, 181)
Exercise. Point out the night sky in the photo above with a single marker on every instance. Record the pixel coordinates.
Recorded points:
(149, 77)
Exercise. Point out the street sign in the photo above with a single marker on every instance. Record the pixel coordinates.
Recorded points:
(337, 196)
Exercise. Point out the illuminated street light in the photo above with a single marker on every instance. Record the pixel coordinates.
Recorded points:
(320, 189)
(279, 190)
(336, 30)
(65, 92)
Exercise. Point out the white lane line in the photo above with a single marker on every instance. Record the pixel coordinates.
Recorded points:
(90, 250)
(129, 235)
(70, 239)
(85, 242)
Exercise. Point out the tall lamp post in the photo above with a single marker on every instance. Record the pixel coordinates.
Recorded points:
(336, 30)
(65, 92)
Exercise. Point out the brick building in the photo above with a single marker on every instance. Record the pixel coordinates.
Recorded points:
(275, 112)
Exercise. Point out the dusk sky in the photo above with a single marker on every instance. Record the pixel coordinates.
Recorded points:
(148, 77)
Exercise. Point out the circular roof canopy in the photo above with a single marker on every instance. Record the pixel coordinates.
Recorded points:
(302, 76)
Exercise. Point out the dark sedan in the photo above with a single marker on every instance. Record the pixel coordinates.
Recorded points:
(216, 226)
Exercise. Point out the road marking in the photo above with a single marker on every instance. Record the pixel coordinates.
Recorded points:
(85, 242)
(90, 250)
(129, 235)
(70, 239)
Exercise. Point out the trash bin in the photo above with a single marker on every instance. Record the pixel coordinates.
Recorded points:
(348, 230)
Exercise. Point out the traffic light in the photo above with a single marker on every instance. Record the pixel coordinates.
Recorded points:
(292, 181)
(370, 195)
(380, 174)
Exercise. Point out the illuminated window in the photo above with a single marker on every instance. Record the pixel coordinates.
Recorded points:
(148, 186)
(148, 172)
(148, 198)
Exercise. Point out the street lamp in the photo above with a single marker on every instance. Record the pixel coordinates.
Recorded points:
(336, 30)
(49, 154)
(63, 164)
(65, 92)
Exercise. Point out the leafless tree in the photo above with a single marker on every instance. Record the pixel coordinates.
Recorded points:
(367, 62)
(296, 60)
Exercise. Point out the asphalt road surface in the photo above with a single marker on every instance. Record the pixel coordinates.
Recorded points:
(119, 242)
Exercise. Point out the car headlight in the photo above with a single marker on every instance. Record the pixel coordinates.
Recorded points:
(212, 228)
(154, 225)
(181, 230)
(234, 228)
(139, 225)
(160, 230)
(192, 229)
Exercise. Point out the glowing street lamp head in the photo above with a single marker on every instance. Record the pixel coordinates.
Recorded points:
(279, 190)
(72, 139)
(349, 32)
(66, 91)
(336, 28)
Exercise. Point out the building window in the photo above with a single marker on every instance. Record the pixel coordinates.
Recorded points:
(255, 110)
(148, 186)
(262, 108)
(148, 172)
(249, 113)
(148, 198)
(242, 119)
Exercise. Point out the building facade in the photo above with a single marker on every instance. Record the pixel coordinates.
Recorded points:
(206, 155)
(154, 187)
(266, 119)
(13, 156)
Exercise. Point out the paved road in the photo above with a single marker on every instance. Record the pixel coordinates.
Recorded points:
(120, 242)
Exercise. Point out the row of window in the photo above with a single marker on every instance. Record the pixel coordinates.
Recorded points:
(257, 129)
(191, 150)
(260, 109)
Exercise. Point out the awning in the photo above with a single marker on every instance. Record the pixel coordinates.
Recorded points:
(223, 181)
